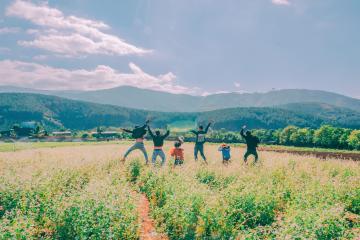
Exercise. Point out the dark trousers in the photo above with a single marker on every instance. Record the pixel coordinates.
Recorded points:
(251, 152)
(199, 148)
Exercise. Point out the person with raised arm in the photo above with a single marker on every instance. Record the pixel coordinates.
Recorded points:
(251, 143)
(158, 140)
(138, 133)
(200, 139)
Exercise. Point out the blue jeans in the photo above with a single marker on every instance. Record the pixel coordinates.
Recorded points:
(141, 147)
(158, 152)
(199, 148)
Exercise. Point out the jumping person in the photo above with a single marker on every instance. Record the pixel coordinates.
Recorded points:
(138, 133)
(199, 141)
(225, 150)
(251, 142)
(158, 140)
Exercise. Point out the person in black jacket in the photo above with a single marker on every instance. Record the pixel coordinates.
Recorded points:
(138, 133)
(199, 141)
(251, 142)
(158, 140)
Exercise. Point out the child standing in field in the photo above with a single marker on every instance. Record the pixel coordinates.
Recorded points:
(225, 150)
(177, 153)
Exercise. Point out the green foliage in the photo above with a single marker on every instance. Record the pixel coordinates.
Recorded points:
(331, 229)
(286, 133)
(54, 208)
(207, 177)
(353, 201)
(212, 180)
(302, 137)
(286, 202)
(246, 211)
(324, 137)
(85, 135)
(134, 170)
(90, 219)
(327, 136)
(354, 139)
(54, 113)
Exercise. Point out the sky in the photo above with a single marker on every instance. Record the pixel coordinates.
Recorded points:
(195, 47)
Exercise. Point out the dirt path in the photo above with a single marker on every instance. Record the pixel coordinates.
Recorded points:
(147, 226)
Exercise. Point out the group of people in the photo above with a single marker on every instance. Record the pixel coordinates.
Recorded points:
(139, 132)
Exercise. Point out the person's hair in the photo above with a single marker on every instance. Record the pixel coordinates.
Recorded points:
(224, 145)
(177, 144)
(157, 132)
(201, 127)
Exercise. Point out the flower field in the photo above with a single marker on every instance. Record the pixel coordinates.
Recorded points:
(65, 193)
(84, 192)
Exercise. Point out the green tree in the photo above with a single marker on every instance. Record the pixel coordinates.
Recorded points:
(275, 136)
(264, 135)
(302, 137)
(343, 140)
(85, 135)
(354, 139)
(328, 136)
(286, 134)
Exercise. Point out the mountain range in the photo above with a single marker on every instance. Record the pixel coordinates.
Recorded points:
(131, 97)
(57, 112)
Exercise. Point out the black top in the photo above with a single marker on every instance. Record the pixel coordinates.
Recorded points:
(251, 141)
(138, 132)
(158, 139)
(200, 135)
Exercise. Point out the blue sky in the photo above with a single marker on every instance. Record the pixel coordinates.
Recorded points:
(196, 47)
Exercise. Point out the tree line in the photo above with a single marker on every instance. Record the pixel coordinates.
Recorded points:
(326, 136)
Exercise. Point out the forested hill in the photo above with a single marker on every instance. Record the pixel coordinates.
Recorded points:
(132, 97)
(55, 112)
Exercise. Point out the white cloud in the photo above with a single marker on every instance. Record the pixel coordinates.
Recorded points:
(39, 76)
(5, 50)
(40, 57)
(7, 30)
(69, 35)
(281, 2)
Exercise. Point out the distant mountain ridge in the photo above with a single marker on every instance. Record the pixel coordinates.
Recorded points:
(145, 99)
(55, 112)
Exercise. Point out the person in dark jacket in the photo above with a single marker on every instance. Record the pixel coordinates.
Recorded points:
(158, 140)
(199, 141)
(138, 133)
(251, 142)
